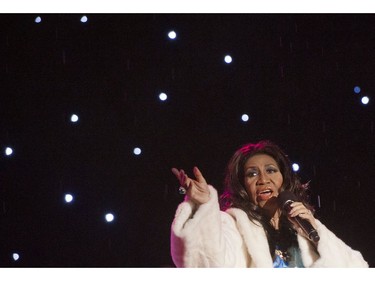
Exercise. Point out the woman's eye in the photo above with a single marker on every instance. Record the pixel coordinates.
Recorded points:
(271, 170)
(252, 174)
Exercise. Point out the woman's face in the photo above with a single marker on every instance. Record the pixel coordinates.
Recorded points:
(262, 178)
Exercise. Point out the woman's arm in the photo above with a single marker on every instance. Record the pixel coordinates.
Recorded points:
(203, 236)
(333, 252)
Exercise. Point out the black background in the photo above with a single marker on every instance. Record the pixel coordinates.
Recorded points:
(294, 74)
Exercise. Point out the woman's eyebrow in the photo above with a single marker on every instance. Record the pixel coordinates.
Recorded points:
(256, 167)
(251, 167)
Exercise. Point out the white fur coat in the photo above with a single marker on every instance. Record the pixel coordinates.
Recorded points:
(208, 237)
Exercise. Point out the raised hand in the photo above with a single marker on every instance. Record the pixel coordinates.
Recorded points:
(196, 189)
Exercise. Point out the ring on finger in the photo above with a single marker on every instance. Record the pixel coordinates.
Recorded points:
(182, 190)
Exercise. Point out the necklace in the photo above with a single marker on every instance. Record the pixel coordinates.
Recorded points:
(275, 222)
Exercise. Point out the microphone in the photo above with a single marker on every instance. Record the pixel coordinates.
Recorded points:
(286, 198)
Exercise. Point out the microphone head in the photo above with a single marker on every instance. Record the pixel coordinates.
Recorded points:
(286, 196)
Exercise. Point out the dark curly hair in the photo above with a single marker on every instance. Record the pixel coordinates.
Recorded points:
(235, 196)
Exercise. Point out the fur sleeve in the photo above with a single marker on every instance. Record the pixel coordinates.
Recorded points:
(332, 251)
(206, 237)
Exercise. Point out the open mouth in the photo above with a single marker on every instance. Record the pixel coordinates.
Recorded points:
(267, 191)
(264, 194)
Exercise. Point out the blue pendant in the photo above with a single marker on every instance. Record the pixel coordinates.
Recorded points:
(279, 263)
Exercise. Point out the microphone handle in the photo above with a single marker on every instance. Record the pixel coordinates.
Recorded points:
(306, 226)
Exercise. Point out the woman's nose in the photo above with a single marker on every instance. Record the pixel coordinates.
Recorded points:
(263, 179)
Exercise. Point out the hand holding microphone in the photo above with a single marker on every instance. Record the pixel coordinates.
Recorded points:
(299, 214)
